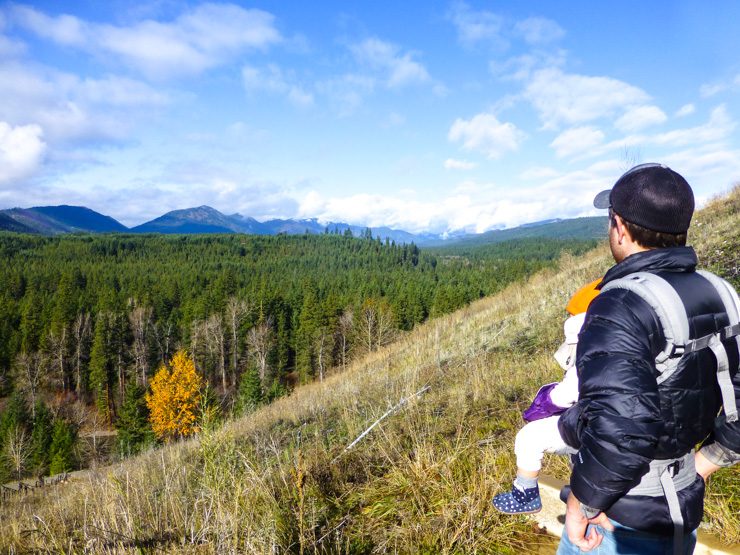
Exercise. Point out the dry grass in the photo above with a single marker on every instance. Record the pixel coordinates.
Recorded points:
(278, 480)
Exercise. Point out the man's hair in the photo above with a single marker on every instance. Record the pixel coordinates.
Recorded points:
(648, 238)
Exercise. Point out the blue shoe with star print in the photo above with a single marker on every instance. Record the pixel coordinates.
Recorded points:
(519, 501)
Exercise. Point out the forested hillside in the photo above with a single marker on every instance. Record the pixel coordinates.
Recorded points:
(574, 228)
(85, 321)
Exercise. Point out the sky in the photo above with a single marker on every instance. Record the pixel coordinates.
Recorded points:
(419, 115)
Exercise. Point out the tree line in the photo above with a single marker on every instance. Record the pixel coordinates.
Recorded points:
(86, 321)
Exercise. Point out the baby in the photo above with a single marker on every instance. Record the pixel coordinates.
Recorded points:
(540, 435)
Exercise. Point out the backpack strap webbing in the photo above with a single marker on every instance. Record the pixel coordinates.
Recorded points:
(669, 308)
(732, 306)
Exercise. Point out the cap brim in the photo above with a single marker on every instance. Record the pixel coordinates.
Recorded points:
(602, 199)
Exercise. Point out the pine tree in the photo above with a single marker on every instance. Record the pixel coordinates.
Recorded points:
(101, 367)
(13, 420)
(133, 421)
(41, 438)
(308, 325)
(249, 396)
(31, 321)
(275, 391)
(65, 305)
(61, 451)
(15, 415)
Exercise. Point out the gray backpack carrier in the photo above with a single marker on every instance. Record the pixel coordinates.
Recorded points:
(666, 477)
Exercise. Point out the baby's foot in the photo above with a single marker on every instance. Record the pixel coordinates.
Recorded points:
(519, 501)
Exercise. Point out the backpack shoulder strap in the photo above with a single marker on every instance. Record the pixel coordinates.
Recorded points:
(671, 312)
(668, 306)
(732, 306)
(731, 301)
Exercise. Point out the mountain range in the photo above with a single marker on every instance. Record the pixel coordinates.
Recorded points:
(54, 220)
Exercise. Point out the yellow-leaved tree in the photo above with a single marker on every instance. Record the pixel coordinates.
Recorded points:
(174, 399)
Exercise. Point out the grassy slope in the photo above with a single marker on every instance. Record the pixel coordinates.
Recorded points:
(279, 481)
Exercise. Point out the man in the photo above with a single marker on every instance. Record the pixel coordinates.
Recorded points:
(633, 484)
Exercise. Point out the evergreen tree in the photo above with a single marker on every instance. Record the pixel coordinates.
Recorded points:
(31, 322)
(61, 451)
(249, 396)
(65, 303)
(14, 418)
(275, 391)
(101, 367)
(41, 438)
(133, 428)
(15, 415)
(308, 326)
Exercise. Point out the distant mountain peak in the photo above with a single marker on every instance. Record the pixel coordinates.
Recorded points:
(51, 220)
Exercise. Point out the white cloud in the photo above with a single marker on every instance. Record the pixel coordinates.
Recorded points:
(709, 90)
(300, 97)
(640, 117)
(567, 99)
(576, 140)
(476, 26)
(719, 127)
(716, 130)
(22, 150)
(707, 164)
(114, 90)
(485, 133)
(380, 65)
(347, 91)
(64, 29)
(201, 38)
(453, 164)
(69, 108)
(520, 68)
(538, 173)
(397, 69)
(472, 206)
(273, 79)
(394, 119)
(260, 200)
(685, 110)
(539, 30)
(10, 48)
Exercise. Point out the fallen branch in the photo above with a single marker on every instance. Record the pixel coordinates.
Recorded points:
(389, 412)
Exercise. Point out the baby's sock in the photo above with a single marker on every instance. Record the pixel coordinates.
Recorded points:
(524, 482)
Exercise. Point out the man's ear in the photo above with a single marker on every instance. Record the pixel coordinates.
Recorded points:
(621, 229)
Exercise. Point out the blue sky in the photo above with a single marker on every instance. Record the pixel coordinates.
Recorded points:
(425, 116)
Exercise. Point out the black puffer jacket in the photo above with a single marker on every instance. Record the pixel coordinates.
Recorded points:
(623, 419)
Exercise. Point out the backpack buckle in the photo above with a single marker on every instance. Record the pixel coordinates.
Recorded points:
(729, 332)
(674, 467)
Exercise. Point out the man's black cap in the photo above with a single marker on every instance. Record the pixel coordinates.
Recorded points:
(652, 196)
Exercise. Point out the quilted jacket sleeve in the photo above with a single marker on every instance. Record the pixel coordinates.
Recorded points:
(616, 423)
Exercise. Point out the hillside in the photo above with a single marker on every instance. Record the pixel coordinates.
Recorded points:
(9, 224)
(279, 480)
(310, 291)
(53, 220)
(79, 218)
(575, 228)
(203, 219)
